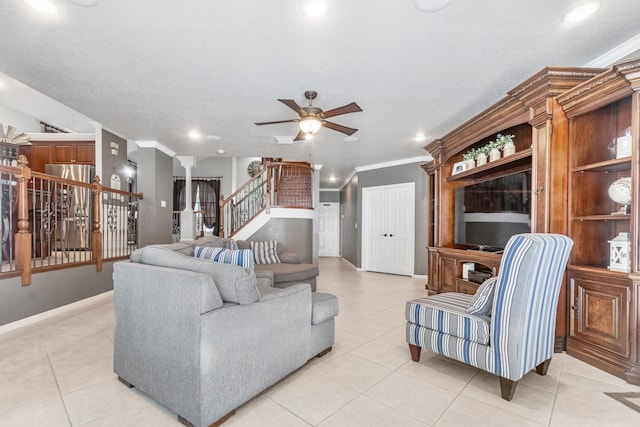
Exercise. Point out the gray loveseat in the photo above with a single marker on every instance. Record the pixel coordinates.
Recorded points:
(289, 271)
(202, 338)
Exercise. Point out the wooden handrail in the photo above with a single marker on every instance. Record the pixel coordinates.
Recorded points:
(270, 174)
(22, 178)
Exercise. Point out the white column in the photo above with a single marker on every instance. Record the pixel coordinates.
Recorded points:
(187, 219)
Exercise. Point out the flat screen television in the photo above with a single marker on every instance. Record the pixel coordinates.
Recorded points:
(488, 213)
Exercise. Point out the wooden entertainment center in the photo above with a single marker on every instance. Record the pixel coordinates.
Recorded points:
(563, 121)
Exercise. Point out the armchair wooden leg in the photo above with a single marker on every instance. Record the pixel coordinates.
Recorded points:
(542, 368)
(415, 352)
(507, 388)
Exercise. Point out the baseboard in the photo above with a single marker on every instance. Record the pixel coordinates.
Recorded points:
(419, 276)
(54, 312)
(354, 267)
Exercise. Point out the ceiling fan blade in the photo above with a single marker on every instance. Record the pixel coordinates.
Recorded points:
(339, 128)
(293, 105)
(349, 108)
(300, 136)
(279, 121)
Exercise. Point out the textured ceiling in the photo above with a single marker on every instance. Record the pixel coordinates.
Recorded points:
(155, 69)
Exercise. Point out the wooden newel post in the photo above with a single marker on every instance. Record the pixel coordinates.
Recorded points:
(96, 235)
(23, 236)
(221, 219)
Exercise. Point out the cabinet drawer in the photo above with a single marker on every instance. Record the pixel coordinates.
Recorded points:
(465, 287)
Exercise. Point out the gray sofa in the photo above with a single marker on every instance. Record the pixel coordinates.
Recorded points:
(202, 338)
(290, 271)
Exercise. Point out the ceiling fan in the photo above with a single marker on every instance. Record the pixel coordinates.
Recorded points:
(313, 118)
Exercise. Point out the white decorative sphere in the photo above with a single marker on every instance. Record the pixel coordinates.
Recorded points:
(620, 191)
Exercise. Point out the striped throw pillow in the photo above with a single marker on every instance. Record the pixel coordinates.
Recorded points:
(240, 257)
(232, 245)
(265, 252)
(482, 301)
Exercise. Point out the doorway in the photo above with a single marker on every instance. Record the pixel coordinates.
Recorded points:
(388, 228)
(329, 229)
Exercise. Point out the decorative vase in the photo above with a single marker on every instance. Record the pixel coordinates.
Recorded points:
(471, 163)
(481, 159)
(494, 155)
(508, 149)
(620, 192)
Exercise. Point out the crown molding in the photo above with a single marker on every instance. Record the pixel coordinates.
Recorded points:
(393, 163)
(348, 179)
(157, 146)
(330, 189)
(617, 53)
(54, 136)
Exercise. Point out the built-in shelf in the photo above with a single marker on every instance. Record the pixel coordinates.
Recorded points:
(606, 166)
(521, 158)
(614, 217)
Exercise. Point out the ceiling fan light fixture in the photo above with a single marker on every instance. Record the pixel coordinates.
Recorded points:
(45, 6)
(310, 124)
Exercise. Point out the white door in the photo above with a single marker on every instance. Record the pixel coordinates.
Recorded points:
(329, 226)
(388, 223)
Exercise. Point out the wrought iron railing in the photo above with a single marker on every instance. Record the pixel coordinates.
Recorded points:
(278, 184)
(176, 226)
(50, 222)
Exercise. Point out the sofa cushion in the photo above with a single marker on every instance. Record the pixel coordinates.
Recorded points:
(290, 257)
(290, 272)
(241, 257)
(265, 252)
(482, 301)
(235, 284)
(447, 313)
(324, 307)
(232, 245)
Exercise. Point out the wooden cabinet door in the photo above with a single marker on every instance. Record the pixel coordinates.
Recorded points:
(447, 274)
(599, 312)
(85, 153)
(64, 153)
(38, 155)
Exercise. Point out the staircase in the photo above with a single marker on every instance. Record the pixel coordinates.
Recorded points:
(279, 184)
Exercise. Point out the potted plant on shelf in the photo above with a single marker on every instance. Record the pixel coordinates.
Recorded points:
(470, 158)
(507, 145)
(481, 155)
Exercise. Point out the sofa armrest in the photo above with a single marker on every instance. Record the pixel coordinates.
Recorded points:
(265, 274)
(290, 257)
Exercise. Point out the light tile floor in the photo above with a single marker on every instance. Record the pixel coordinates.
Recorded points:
(58, 372)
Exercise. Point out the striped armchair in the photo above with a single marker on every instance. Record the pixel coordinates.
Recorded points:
(508, 327)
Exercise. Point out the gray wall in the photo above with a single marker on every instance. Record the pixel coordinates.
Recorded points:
(155, 180)
(351, 199)
(295, 234)
(113, 164)
(349, 234)
(329, 196)
(209, 167)
(51, 290)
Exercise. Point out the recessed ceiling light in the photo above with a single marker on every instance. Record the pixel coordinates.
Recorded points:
(46, 6)
(420, 137)
(314, 8)
(431, 5)
(85, 3)
(350, 138)
(332, 178)
(194, 134)
(213, 138)
(220, 151)
(582, 12)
